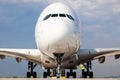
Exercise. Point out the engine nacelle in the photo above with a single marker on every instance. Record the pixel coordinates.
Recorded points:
(117, 56)
(101, 59)
(2, 57)
(18, 59)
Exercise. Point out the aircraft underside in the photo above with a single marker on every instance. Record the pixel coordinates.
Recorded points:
(58, 68)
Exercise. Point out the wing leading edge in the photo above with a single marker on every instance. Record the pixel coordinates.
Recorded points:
(98, 53)
(33, 55)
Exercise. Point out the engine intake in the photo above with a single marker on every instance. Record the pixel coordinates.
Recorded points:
(117, 56)
(2, 57)
(18, 59)
(101, 59)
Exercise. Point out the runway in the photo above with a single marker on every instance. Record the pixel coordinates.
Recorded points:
(58, 79)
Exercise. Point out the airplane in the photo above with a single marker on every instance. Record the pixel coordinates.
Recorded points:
(58, 40)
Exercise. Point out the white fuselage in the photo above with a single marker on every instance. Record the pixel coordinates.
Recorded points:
(57, 32)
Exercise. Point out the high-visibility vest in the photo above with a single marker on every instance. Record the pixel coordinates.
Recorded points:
(82, 67)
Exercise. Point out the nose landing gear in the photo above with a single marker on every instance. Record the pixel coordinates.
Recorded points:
(58, 60)
(57, 72)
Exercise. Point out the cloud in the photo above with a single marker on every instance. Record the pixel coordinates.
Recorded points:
(96, 8)
(100, 8)
(97, 16)
(116, 8)
(22, 1)
(87, 7)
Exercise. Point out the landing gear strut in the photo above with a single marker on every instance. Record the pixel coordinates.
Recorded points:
(88, 72)
(30, 72)
(58, 60)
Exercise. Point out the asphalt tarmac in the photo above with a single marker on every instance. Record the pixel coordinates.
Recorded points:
(58, 79)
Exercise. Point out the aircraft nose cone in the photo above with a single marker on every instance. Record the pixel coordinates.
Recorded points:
(55, 31)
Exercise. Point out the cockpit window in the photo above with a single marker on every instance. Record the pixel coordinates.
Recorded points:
(62, 15)
(70, 17)
(47, 17)
(54, 15)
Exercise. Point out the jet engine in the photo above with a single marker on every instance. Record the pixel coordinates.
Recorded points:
(101, 59)
(2, 57)
(18, 59)
(117, 56)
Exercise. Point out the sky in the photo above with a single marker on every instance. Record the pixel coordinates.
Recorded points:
(100, 29)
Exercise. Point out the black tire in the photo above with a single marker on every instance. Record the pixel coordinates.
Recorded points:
(68, 74)
(84, 75)
(28, 74)
(45, 74)
(91, 75)
(34, 75)
(74, 74)
(58, 76)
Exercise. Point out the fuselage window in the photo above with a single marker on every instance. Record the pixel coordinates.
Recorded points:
(54, 15)
(70, 17)
(47, 17)
(62, 15)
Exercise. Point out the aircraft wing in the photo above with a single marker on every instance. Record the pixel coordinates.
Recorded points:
(33, 55)
(99, 53)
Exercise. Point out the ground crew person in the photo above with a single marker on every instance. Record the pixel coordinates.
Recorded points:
(82, 68)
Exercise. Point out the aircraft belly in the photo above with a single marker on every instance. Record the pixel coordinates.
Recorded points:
(50, 63)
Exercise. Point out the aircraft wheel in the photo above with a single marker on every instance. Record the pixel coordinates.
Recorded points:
(28, 74)
(91, 74)
(45, 74)
(84, 75)
(68, 74)
(34, 75)
(74, 74)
